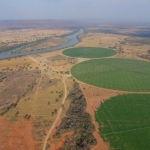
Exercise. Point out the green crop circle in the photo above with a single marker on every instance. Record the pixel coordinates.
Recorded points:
(114, 73)
(89, 52)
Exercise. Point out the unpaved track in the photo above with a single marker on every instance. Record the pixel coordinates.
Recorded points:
(58, 116)
(59, 112)
(33, 59)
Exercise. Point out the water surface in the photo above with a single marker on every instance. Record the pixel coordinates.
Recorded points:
(73, 39)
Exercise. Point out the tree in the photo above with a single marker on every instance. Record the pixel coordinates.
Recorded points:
(52, 113)
(17, 113)
(55, 110)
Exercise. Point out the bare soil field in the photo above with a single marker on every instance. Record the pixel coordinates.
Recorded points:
(17, 135)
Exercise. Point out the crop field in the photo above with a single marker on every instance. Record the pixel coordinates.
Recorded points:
(115, 73)
(124, 121)
(89, 52)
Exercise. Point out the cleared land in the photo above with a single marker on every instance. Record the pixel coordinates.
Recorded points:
(114, 73)
(124, 121)
(89, 52)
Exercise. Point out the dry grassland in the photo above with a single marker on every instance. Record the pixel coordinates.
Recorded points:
(99, 40)
(34, 92)
(126, 46)
(49, 43)
(12, 37)
(16, 63)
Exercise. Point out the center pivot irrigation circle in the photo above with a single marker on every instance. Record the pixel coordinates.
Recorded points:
(114, 73)
(89, 52)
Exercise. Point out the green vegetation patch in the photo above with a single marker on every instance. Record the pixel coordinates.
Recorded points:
(124, 121)
(89, 52)
(114, 73)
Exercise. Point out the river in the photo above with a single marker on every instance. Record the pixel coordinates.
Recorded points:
(73, 39)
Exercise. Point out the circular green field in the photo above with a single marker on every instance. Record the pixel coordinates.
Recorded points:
(89, 52)
(124, 122)
(114, 73)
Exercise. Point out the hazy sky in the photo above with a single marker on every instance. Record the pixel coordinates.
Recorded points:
(131, 10)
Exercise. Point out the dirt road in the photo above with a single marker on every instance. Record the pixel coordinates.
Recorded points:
(58, 116)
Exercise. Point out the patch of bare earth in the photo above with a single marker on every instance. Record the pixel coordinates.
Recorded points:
(16, 135)
(57, 144)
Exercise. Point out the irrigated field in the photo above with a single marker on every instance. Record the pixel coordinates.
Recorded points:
(124, 121)
(89, 52)
(115, 73)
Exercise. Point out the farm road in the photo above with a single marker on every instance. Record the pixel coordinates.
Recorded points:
(59, 112)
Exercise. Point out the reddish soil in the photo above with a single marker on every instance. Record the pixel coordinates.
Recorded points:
(58, 143)
(17, 135)
(95, 96)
